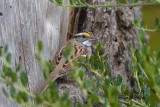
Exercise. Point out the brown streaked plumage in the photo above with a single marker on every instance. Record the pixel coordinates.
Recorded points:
(62, 66)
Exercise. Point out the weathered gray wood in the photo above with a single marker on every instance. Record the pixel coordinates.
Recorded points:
(22, 24)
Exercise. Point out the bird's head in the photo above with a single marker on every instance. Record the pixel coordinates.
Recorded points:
(86, 38)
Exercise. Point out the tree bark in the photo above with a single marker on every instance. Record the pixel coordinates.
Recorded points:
(114, 25)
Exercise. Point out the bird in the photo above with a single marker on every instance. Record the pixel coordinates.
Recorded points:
(81, 43)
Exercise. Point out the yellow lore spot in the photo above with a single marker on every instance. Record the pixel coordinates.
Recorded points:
(87, 34)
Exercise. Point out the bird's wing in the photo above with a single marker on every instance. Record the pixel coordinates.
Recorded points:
(62, 66)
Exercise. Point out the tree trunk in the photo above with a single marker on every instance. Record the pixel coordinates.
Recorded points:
(114, 25)
(22, 24)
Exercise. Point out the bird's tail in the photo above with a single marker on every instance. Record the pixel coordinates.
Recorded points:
(41, 88)
(44, 85)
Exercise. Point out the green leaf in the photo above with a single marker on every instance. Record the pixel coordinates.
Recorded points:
(38, 99)
(18, 68)
(94, 98)
(17, 99)
(82, 73)
(112, 97)
(157, 24)
(64, 101)
(124, 90)
(154, 99)
(0, 51)
(4, 92)
(14, 77)
(5, 70)
(74, 2)
(118, 80)
(23, 96)
(8, 58)
(12, 92)
(99, 46)
(133, 1)
(107, 68)
(84, 2)
(40, 46)
(101, 64)
(87, 84)
(138, 55)
(58, 2)
(8, 72)
(136, 23)
(24, 78)
(122, 1)
(145, 91)
(38, 57)
(142, 35)
(64, 97)
(67, 50)
(49, 65)
(5, 48)
(92, 59)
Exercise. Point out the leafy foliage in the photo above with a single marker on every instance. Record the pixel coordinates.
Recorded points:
(99, 89)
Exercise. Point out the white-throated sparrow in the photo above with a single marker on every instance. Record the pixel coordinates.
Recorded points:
(81, 43)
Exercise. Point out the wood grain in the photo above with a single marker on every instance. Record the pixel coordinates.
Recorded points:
(22, 24)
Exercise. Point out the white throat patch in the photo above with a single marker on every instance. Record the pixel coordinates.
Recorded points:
(87, 43)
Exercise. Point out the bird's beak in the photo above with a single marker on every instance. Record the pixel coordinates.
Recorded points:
(83, 34)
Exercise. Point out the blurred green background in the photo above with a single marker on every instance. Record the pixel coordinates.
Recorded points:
(149, 15)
